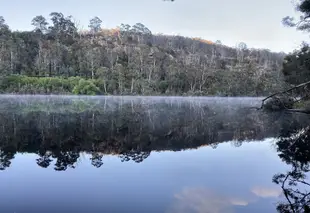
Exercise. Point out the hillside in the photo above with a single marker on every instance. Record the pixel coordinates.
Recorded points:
(57, 58)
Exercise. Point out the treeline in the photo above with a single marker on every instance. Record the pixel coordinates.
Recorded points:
(128, 60)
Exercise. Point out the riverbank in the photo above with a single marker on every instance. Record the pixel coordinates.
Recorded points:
(286, 103)
(301, 106)
(19, 84)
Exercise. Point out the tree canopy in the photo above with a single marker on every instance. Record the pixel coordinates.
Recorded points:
(303, 23)
(296, 66)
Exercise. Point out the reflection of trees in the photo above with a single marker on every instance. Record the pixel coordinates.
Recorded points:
(59, 130)
(6, 155)
(44, 160)
(132, 155)
(294, 149)
(96, 159)
(65, 160)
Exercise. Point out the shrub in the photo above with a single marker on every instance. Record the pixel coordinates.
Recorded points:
(85, 87)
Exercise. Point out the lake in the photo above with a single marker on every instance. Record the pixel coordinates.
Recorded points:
(150, 154)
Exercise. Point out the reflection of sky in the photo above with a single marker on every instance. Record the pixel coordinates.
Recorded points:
(225, 179)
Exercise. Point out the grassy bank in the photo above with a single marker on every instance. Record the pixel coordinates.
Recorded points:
(19, 84)
(49, 85)
(305, 104)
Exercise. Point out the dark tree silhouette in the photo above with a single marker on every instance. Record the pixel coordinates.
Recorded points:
(96, 159)
(45, 160)
(294, 149)
(296, 66)
(6, 155)
(65, 160)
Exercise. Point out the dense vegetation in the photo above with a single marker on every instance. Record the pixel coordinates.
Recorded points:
(57, 57)
(296, 66)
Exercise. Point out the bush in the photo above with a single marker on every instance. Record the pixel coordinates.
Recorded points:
(38, 85)
(85, 87)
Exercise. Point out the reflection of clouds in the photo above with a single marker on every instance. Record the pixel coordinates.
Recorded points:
(202, 200)
(238, 202)
(266, 192)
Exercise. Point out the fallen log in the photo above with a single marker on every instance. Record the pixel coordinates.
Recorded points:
(298, 110)
(278, 103)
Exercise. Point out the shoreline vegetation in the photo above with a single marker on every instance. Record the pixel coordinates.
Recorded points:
(19, 84)
(287, 103)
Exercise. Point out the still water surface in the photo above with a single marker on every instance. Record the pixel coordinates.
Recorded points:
(149, 154)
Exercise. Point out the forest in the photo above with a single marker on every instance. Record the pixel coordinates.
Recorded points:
(57, 57)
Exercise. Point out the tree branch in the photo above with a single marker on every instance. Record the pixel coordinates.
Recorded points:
(283, 92)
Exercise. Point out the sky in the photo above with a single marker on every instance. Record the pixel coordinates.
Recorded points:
(255, 22)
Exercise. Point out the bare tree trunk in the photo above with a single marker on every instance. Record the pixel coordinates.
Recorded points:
(150, 73)
(92, 67)
(92, 57)
(112, 61)
(105, 86)
(11, 61)
(141, 63)
(120, 85)
(132, 83)
(39, 57)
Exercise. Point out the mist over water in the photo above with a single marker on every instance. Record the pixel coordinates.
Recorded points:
(140, 154)
(145, 101)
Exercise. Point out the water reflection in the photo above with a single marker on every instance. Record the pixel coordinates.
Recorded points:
(266, 192)
(200, 170)
(61, 128)
(202, 200)
(294, 149)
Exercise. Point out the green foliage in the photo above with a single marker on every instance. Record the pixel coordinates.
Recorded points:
(296, 66)
(304, 104)
(85, 87)
(38, 85)
(163, 86)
